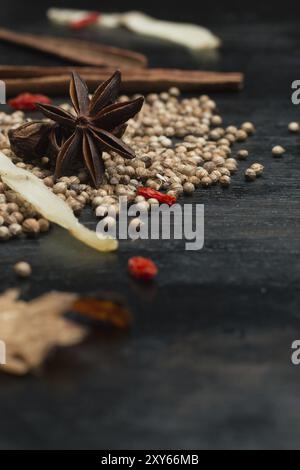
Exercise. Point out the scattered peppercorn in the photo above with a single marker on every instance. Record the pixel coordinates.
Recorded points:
(294, 127)
(166, 168)
(31, 226)
(248, 127)
(258, 168)
(225, 181)
(242, 154)
(188, 188)
(4, 233)
(278, 151)
(250, 174)
(23, 269)
(241, 135)
(44, 225)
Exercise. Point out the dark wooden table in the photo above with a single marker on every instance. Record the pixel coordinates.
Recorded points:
(207, 363)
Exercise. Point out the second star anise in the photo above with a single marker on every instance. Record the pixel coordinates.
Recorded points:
(97, 126)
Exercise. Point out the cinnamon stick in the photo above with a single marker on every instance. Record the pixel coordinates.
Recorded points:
(76, 50)
(133, 80)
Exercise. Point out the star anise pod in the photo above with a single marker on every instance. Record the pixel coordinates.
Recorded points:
(36, 139)
(97, 126)
(31, 140)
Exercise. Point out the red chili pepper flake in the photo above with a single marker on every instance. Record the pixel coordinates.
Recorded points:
(27, 101)
(142, 268)
(149, 193)
(88, 20)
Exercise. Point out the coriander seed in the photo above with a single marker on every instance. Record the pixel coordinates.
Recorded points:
(294, 127)
(153, 202)
(258, 168)
(4, 233)
(44, 225)
(242, 154)
(248, 127)
(225, 181)
(23, 269)
(206, 182)
(60, 188)
(250, 174)
(31, 226)
(241, 135)
(15, 230)
(278, 151)
(188, 188)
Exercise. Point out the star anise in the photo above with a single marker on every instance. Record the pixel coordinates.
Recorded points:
(97, 126)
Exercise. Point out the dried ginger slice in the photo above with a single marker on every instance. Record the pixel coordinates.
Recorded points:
(30, 330)
(49, 205)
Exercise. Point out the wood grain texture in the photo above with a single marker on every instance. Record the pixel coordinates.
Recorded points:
(207, 364)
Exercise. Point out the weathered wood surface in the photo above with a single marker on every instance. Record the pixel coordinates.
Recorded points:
(207, 364)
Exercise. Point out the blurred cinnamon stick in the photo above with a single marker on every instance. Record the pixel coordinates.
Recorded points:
(76, 50)
(55, 80)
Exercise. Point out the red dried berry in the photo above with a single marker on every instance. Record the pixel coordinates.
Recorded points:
(142, 268)
(88, 20)
(27, 101)
(149, 193)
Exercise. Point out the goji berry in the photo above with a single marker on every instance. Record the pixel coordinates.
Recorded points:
(142, 268)
(149, 193)
(27, 101)
(88, 20)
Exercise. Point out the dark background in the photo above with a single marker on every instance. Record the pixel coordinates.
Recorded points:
(218, 12)
(207, 363)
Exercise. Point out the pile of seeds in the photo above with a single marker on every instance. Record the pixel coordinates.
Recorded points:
(180, 145)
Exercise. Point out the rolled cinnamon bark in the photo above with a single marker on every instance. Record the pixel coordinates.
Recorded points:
(76, 50)
(55, 80)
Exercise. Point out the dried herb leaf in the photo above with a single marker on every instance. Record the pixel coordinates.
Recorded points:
(106, 311)
(32, 329)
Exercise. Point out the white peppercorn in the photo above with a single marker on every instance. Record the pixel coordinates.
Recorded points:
(278, 151)
(248, 127)
(294, 127)
(206, 182)
(188, 188)
(224, 171)
(23, 269)
(258, 168)
(241, 135)
(4, 233)
(15, 229)
(142, 206)
(242, 154)
(153, 202)
(59, 188)
(31, 226)
(225, 181)
(250, 174)
(44, 225)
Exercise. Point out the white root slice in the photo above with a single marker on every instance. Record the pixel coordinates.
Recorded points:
(186, 34)
(189, 35)
(49, 205)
